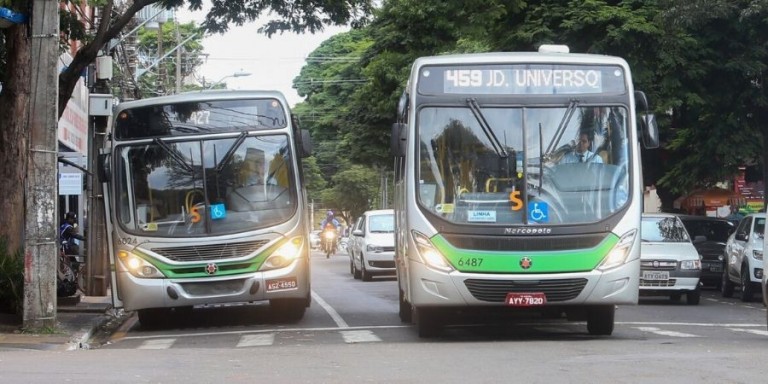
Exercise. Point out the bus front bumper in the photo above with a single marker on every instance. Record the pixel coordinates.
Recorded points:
(289, 282)
(431, 288)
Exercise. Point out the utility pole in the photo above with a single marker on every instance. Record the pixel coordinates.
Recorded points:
(41, 226)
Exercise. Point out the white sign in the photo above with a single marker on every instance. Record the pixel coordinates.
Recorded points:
(70, 183)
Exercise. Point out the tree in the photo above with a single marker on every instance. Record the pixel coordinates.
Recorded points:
(354, 191)
(291, 16)
(172, 34)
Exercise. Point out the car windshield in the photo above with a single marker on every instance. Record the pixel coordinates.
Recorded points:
(381, 223)
(712, 230)
(506, 165)
(663, 230)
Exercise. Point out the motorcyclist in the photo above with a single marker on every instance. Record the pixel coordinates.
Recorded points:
(68, 234)
(330, 224)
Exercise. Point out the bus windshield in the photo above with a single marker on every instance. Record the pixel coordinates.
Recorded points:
(538, 165)
(205, 186)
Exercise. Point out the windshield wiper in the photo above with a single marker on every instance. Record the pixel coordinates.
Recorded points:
(174, 155)
(563, 123)
(231, 151)
(475, 108)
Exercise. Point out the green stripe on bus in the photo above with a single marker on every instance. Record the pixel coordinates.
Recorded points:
(466, 260)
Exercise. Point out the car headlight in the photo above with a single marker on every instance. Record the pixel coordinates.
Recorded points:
(758, 254)
(690, 264)
(138, 266)
(284, 255)
(374, 248)
(429, 254)
(620, 252)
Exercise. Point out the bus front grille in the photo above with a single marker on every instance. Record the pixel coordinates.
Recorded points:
(525, 243)
(208, 252)
(496, 290)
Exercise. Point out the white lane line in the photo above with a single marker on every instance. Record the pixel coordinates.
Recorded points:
(259, 331)
(665, 333)
(261, 340)
(332, 312)
(157, 344)
(753, 331)
(361, 336)
(689, 324)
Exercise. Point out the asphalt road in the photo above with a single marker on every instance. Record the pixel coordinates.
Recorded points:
(352, 333)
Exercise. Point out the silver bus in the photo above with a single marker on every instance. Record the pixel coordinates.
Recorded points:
(205, 204)
(518, 187)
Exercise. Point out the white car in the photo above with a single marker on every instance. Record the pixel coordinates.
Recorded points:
(373, 252)
(744, 257)
(669, 263)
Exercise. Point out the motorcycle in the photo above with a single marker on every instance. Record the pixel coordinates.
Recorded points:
(70, 272)
(329, 242)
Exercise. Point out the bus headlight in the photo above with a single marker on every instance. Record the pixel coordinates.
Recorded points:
(429, 254)
(284, 255)
(620, 252)
(139, 267)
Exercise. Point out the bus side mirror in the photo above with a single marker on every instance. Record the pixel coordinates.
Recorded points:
(397, 141)
(649, 131)
(103, 170)
(306, 143)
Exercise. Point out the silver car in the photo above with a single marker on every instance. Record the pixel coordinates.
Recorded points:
(373, 252)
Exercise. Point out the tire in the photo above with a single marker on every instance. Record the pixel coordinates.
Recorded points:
(364, 274)
(351, 267)
(427, 322)
(356, 274)
(747, 288)
(600, 320)
(693, 297)
(288, 310)
(405, 312)
(676, 297)
(152, 318)
(726, 286)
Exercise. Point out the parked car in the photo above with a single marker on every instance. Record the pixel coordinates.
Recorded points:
(744, 257)
(765, 284)
(669, 263)
(709, 236)
(374, 244)
(314, 239)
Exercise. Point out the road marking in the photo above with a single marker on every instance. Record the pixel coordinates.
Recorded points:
(157, 344)
(689, 324)
(665, 333)
(261, 340)
(753, 331)
(361, 336)
(258, 331)
(332, 312)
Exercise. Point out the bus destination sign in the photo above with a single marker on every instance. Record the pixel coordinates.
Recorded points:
(522, 79)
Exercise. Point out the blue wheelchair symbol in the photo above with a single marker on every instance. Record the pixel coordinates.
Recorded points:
(538, 212)
(218, 211)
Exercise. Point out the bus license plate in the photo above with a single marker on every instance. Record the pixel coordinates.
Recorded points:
(527, 299)
(282, 284)
(656, 275)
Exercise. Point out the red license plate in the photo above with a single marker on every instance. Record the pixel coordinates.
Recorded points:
(527, 299)
(282, 284)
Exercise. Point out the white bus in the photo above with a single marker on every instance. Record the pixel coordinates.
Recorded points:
(205, 204)
(518, 187)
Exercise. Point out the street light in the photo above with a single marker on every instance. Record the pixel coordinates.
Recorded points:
(236, 74)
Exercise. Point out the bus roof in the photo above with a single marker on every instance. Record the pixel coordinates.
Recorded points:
(203, 95)
(520, 57)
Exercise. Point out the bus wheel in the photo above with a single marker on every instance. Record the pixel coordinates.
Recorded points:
(427, 322)
(153, 317)
(288, 310)
(405, 309)
(600, 320)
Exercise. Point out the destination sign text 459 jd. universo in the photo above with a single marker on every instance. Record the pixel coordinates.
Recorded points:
(522, 80)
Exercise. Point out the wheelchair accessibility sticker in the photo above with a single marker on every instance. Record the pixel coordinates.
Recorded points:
(538, 212)
(218, 211)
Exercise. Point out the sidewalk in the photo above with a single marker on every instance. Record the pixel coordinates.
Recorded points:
(77, 321)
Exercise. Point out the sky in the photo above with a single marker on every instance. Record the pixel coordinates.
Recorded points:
(273, 63)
